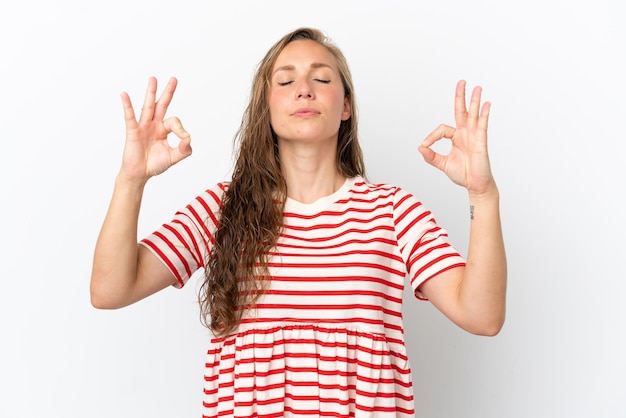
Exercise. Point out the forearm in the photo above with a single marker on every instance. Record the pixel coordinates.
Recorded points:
(482, 292)
(114, 268)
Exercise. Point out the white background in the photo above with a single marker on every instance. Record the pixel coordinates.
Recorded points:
(554, 71)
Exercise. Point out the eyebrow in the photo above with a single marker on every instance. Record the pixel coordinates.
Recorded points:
(292, 68)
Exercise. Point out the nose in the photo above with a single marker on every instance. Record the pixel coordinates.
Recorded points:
(304, 90)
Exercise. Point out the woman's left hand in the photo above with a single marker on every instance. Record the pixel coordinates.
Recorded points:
(467, 163)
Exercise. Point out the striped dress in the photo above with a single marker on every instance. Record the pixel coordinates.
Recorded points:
(327, 338)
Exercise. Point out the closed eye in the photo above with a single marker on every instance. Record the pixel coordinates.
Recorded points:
(319, 80)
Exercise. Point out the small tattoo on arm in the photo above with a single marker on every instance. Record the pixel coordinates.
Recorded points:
(472, 212)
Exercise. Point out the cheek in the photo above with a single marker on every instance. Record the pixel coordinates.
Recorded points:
(337, 98)
(274, 102)
(271, 105)
(274, 106)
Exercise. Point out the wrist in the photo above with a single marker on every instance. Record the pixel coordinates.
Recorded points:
(130, 184)
(489, 193)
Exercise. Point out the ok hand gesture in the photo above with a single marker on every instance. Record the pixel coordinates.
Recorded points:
(467, 163)
(147, 152)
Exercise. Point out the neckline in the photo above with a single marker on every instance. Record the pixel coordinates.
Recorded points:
(292, 205)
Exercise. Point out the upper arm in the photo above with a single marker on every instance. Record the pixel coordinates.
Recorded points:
(465, 302)
(152, 276)
(442, 290)
(123, 287)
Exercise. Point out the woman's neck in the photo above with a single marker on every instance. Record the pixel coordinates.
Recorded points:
(310, 171)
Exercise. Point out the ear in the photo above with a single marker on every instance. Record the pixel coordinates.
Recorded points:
(347, 109)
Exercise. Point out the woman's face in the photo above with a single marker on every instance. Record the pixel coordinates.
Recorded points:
(306, 95)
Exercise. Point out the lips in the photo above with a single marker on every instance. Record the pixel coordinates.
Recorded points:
(305, 111)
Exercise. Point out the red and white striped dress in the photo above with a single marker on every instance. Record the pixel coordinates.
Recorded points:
(327, 338)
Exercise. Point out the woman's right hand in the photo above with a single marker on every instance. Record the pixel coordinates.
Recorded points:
(147, 152)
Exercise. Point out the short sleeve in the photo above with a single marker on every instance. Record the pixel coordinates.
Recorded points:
(424, 245)
(184, 243)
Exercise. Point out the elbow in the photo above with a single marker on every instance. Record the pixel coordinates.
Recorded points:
(99, 301)
(489, 328)
(104, 303)
(489, 332)
(102, 298)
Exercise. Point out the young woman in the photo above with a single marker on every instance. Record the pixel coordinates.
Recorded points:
(305, 261)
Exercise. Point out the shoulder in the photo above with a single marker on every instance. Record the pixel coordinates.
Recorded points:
(403, 206)
(359, 185)
(209, 201)
(366, 189)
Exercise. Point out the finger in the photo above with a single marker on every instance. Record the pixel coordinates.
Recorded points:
(442, 131)
(483, 120)
(129, 112)
(474, 107)
(182, 151)
(432, 158)
(165, 99)
(460, 111)
(147, 111)
(174, 125)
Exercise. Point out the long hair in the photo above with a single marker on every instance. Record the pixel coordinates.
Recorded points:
(252, 207)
